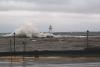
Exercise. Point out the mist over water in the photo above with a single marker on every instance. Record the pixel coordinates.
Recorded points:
(29, 30)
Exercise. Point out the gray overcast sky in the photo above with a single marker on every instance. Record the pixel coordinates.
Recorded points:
(64, 15)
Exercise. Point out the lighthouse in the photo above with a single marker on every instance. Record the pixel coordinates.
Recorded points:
(50, 30)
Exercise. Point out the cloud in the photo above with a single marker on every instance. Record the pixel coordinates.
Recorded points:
(16, 5)
(53, 16)
(64, 15)
(42, 19)
(69, 6)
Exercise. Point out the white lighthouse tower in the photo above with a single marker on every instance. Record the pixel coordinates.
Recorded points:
(50, 30)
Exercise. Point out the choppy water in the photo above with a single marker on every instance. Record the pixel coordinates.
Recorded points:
(40, 64)
(68, 34)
